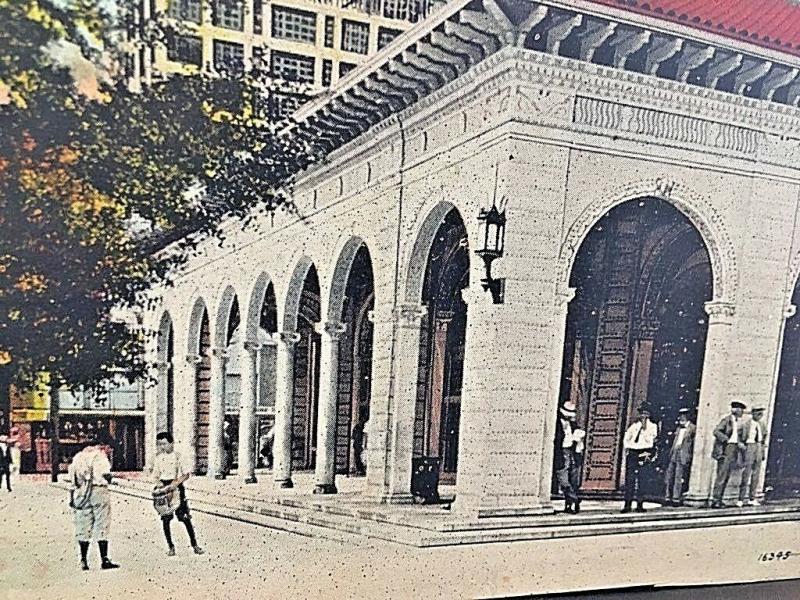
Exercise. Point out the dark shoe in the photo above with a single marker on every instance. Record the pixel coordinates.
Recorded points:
(641, 509)
(107, 564)
(84, 565)
(568, 506)
(171, 551)
(577, 508)
(717, 504)
(198, 550)
(626, 509)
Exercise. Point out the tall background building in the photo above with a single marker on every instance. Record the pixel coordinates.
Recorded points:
(314, 42)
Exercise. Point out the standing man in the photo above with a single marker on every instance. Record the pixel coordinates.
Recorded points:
(89, 476)
(754, 455)
(265, 444)
(5, 461)
(729, 447)
(680, 455)
(639, 445)
(170, 474)
(567, 461)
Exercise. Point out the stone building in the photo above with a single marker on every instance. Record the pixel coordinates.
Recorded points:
(646, 160)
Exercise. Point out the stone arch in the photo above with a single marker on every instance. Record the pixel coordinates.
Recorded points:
(199, 308)
(697, 209)
(417, 260)
(294, 291)
(222, 315)
(254, 304)
(344, 257)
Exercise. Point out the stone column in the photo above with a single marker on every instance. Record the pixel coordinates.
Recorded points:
(216, 416)
(284, 399)
(186, 426)
(325, 472)
(247, 412)
(402, 404)
(714, 400)
(162, 399)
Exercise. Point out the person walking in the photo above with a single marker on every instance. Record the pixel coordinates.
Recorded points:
(89, 475)
(170, 474)
(639, 445)
(6, 461)
(680, 456)
(568, 440)
(729, 448)
(754, 455)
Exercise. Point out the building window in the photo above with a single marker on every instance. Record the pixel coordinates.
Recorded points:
(228, 56)
(355, 36)
(329, 23)
(186, 49)
(295, 25)
(228, 14)
(345, 68)
(327, 69)
(405, 10)
(186, 10)
(386, 35)
(258, 17)
(293, 67)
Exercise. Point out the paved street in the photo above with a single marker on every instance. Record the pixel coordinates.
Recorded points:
(39, 559)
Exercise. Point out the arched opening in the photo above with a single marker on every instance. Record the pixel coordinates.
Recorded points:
(165, 413)
(306, 375)
(783, 465)
(355, 364)
(266, 365)
(202, 391)
(635, 333)
(233, 377)
(442, 340)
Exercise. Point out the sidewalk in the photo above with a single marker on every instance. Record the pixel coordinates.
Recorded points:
(349, 512)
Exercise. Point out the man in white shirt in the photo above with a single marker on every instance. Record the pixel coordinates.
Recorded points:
(639, 445)
(729, 444)
(170, 474)
(569, 442)
(754, 455)
(89, 475)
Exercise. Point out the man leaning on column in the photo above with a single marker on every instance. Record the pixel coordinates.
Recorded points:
(730, 436)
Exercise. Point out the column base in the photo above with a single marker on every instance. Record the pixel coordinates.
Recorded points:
(325, 488)
(396, 498)
(697, 501)
(285, 483)
(220, 476)
(251, 479)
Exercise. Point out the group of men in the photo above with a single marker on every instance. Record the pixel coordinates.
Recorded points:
(90, 475)
(739, 443)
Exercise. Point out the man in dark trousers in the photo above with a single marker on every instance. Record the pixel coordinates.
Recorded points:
(680, 456)
(754, 455)
(729, 447)
(639, 444)
(170, 474)
(568, 454)
(5, 461)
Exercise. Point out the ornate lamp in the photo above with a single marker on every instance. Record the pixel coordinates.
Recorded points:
(491, 236)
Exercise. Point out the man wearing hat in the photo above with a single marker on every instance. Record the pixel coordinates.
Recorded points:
(754, 455)
(639, 445)
(680, 455)
(729, 444)
(568, 455)
(6, 461)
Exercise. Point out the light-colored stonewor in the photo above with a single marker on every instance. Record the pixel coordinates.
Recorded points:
(562, 142)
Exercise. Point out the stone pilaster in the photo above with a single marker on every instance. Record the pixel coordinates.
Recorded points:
(186, 416)
(326, 420)
(284, 397)
(216, 416)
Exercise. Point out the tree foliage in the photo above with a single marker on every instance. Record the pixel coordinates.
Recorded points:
(103, 194)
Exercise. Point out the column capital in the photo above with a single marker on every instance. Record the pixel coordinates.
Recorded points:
(334, 329)
(720, 312)
(220, 353)
(288, 338)
(194, 359)
(410, 315)
(789, 311)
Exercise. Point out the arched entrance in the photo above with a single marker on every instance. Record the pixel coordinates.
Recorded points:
(201, 347)
(165, 414)
(783, 464)
(355, 362)
(306, 375)
(636, 331)
(441, 353)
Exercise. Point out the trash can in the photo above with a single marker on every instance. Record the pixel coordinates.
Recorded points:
(425, 479)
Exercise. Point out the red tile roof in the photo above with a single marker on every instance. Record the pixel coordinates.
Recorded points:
(773, 24)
